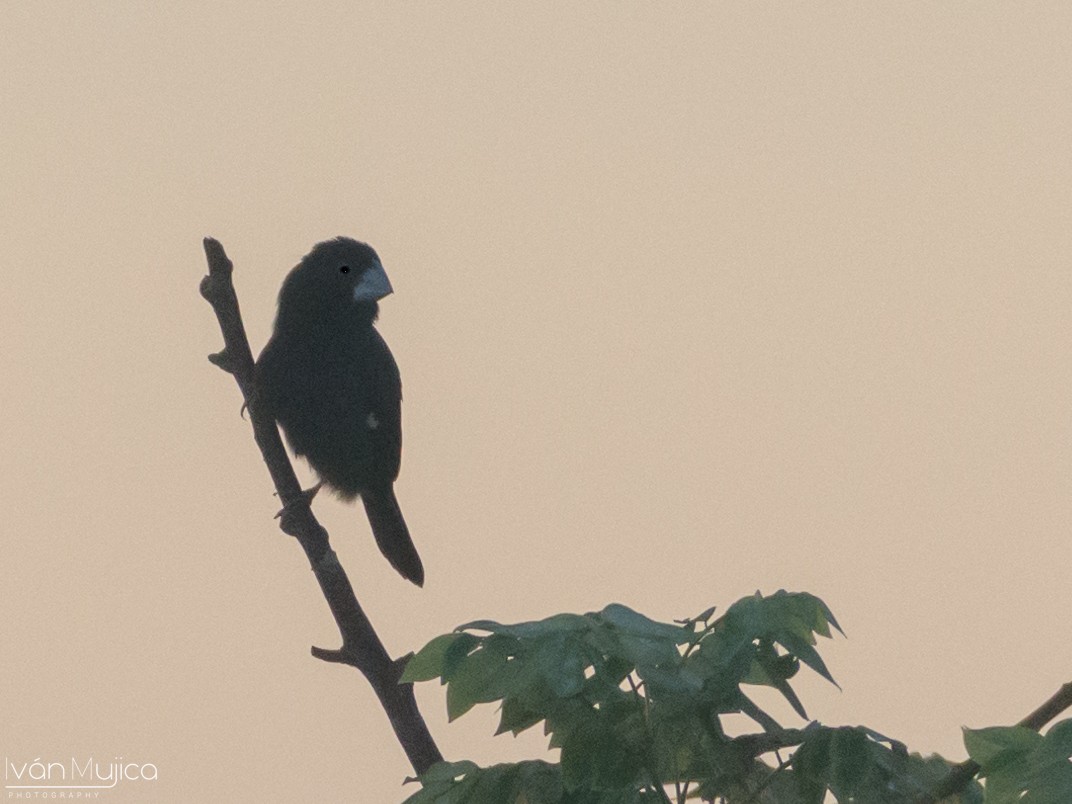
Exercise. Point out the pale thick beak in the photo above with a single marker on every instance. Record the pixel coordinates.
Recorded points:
(374, 285)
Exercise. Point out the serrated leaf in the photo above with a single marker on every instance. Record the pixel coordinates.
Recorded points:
(558, 623)
(636, 624)
(807, 654)
(459, 700)
(783, 687)
(427, 663)
(455, 654)
(516, 716)
(726, 649)
(828, 616)
(485, 675)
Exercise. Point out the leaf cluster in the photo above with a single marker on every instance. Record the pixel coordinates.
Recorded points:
(638, 710)
(1023, 766)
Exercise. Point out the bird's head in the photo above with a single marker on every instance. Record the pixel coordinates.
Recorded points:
(340, 278)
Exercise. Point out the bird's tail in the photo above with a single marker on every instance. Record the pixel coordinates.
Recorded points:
(392, 535)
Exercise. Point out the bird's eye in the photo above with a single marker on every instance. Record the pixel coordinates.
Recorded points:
(344, 269)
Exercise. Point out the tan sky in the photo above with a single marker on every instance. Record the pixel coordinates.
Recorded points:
(690, 301)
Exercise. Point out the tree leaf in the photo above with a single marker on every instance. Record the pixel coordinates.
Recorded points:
(992, 746)
(806, 653)
(560, 661)
(455, 654)
(428, 661)
(558, 623)
(516, 715)
(484, 675)
(636, 624)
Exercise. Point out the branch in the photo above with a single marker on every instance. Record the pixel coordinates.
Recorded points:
(1058, 703)
(961, 774)
(361, 647)
(755, 745)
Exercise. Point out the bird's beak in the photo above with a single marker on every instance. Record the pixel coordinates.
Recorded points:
(373, 286)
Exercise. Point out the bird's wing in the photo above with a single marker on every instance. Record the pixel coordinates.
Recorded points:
(384, 419)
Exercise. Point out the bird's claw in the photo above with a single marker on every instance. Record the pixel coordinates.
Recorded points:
(287, 512)
(306, 495)
(309, 493)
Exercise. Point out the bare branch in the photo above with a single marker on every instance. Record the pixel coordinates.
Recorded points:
(1058, 703)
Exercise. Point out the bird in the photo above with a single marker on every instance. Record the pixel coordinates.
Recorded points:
(331, 382)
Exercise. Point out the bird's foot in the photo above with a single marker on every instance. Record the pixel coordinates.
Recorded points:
(287, 513)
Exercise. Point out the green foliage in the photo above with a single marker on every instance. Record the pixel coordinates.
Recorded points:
(531, 782)
(637, 709)
(1023, 766)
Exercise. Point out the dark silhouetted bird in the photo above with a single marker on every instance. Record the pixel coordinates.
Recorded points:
(331, 382)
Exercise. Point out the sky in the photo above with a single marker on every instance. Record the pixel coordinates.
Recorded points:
(691, 301)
